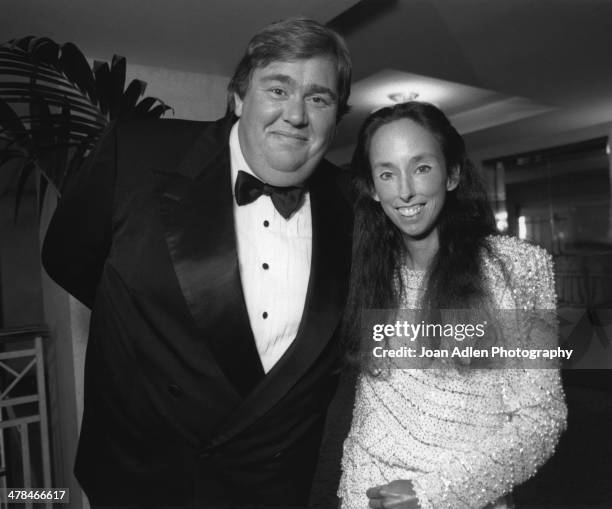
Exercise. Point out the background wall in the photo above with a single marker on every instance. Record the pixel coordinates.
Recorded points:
(20, 285)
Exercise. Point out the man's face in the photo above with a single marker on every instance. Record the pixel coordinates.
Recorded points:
(288, 118)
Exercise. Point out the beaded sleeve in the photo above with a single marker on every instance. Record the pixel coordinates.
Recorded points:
(535, 410)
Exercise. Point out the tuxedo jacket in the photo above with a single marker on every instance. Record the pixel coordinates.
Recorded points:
(178, 411)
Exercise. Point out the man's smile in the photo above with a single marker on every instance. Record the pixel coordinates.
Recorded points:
(290, 135)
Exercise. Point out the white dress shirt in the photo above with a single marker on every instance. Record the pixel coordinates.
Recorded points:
(274, 256)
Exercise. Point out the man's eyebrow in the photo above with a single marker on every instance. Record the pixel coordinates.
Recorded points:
(283, 78)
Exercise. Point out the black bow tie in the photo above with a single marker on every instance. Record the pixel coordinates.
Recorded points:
(285, 199)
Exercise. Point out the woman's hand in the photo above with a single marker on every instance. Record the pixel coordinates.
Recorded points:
(395, 495)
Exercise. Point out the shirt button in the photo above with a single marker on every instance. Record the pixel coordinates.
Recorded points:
(265, 314)
(265, 266)
(266, 223)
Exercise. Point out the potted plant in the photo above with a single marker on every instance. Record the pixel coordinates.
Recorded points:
(54, 107)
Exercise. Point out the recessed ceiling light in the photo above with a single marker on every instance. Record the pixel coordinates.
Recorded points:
(402, 97)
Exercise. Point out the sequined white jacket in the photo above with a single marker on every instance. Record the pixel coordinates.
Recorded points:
(465, 440)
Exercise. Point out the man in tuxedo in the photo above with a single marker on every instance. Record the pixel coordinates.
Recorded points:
(215, 259)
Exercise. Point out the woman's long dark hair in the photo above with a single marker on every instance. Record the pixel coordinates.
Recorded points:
(454, 277)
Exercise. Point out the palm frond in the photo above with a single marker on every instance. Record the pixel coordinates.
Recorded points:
(54, 107)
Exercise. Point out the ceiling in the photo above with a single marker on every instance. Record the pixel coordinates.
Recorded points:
(514, 75)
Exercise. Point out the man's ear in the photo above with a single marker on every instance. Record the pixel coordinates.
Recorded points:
(237, 105)
(452, 181)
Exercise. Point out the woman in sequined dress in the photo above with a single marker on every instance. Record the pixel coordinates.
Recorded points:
(425, 239)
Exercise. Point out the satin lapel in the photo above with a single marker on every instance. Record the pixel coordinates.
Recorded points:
(196, 208)
(323, 309)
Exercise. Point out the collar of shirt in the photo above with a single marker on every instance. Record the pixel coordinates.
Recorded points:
(238, 162)
(298, 225)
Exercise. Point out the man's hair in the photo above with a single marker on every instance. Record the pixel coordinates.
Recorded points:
(288, 40)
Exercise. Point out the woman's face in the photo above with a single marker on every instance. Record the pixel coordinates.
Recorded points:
(410, 177)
